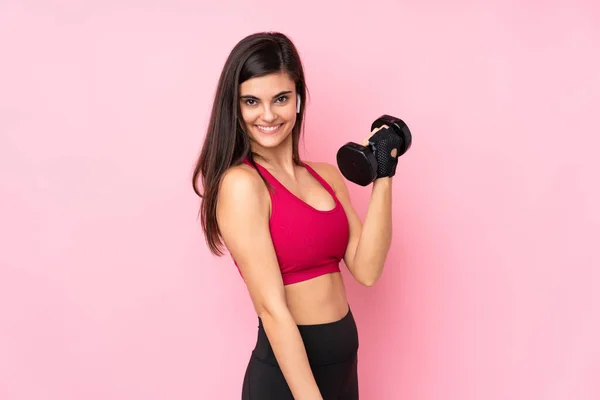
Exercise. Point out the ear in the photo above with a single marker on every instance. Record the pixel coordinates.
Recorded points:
(298, 102)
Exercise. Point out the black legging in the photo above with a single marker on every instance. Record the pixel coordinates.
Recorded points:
(332, 352)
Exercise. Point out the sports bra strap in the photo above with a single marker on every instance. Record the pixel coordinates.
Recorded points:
(314, 173)
(320, 179)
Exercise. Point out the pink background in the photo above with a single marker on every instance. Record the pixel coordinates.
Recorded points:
(107, 290)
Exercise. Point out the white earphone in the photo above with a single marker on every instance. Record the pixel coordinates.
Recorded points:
(298, 102)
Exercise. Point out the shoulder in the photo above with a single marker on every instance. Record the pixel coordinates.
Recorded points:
(242, 186)
(329, 172)
(239, 174)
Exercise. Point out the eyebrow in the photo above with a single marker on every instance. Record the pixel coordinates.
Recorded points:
(249, 96)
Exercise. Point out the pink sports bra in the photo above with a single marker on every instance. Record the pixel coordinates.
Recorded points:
(308, 242)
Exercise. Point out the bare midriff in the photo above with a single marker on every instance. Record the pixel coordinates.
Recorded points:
(318, 300)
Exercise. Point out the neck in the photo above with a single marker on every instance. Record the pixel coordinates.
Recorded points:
(278, 158)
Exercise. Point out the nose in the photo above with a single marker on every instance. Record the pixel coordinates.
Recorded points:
(268, 115)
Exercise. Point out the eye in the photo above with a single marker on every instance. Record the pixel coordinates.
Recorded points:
(250, 102)
(282, 99)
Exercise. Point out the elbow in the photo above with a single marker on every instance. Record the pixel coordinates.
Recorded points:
(368, 282)
(366, 272)
(275, 317)
(370, 278)
(273, 308)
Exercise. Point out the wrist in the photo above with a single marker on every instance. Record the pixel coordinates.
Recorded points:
(384, 181)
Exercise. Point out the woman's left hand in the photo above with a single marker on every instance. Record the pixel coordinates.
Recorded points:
(365, 142)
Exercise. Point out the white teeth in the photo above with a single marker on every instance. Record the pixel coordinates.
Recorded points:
(268, 128)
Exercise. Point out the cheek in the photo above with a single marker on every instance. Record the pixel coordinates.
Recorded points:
(251, 115)
(246, 115)
(289, 114)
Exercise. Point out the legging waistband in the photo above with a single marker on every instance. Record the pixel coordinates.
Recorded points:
(327, 343)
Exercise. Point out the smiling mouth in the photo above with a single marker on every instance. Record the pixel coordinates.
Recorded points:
(269, 129)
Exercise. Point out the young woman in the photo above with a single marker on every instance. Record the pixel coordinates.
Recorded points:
(287, 223)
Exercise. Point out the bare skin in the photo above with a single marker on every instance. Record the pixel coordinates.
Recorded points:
(268, 107)
(321, 299)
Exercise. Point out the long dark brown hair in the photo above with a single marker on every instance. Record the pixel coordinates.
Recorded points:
(226, 144)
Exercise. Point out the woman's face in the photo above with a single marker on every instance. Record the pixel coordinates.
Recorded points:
(268, 108)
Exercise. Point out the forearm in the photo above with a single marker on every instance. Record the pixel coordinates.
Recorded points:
(288, 347)
(376, 235)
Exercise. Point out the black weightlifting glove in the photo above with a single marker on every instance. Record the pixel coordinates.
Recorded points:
(382, 143)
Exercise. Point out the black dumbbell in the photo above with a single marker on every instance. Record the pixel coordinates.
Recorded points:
(359, 164)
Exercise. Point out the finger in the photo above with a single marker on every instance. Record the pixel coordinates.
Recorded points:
(379, 128)
(366, 140)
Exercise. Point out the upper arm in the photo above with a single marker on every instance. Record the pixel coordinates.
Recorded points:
(337, 182)
(243, 219)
